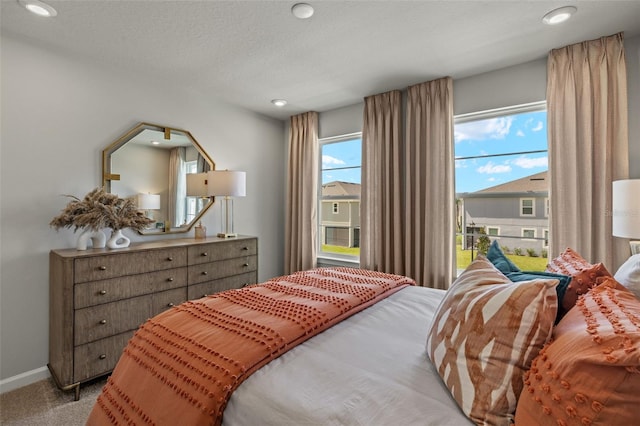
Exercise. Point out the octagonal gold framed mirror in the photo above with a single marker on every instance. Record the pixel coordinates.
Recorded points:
(151, 162)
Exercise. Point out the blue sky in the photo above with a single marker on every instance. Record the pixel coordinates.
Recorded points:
(338, 155)
(501, 135)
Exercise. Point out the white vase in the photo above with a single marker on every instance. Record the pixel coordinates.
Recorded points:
(98, 239)
(118, 240)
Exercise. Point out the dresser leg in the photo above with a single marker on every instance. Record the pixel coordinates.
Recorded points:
(73, 386)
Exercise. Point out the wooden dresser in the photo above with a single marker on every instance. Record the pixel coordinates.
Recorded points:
(99, 297)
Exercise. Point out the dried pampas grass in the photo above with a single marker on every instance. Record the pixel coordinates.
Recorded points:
(100, 210)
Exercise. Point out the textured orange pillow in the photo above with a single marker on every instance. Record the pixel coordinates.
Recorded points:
(584, 275)
(590, 373)
(484, 335)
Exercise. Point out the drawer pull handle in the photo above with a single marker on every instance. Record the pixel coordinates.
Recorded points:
(204, 254)
(245, 248)
(245, 265)
(102, 292)
(170, 305)
(102, 268)
(170, 279)
(205, 273)
(103, 322)
(170, 259)
(103, 356)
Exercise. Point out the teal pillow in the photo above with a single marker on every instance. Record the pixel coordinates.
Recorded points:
(499, 260)
(497, 257)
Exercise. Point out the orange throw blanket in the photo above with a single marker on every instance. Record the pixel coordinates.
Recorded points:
(181, 366)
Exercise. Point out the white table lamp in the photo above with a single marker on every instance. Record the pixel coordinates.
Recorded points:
(148, 202)
(626, 211)
(227, 184)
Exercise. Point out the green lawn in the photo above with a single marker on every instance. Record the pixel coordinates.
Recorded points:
(351, 251)
(526, 263)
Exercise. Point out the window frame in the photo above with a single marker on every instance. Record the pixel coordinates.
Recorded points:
(522, 231)
(495, 113)
(323, 257)
(497, 228)
(533, 207)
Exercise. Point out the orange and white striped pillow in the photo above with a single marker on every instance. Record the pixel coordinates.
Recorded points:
(485, 334)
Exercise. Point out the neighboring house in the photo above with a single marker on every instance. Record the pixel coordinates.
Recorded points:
(515, 213)
(340, 214)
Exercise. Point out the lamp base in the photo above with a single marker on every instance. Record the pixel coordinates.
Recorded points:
(227, 235)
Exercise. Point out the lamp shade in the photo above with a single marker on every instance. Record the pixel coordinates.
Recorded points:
(149, 201)
(197, 185)
(626, 208)
(227, 183)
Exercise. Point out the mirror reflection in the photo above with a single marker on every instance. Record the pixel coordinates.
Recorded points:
(151, 163)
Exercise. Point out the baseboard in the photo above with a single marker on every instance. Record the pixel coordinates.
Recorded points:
(24, 379)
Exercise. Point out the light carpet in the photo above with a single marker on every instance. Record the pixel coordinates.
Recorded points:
(42, 403)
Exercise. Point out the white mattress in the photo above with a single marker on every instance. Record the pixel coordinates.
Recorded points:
(371, 369)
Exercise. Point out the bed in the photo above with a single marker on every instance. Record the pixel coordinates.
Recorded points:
(405, 355)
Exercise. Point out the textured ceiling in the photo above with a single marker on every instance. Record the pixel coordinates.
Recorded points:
(249, 52)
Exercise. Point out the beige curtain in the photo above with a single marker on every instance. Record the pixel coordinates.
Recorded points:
(588, 146)
(381, 245)
(177, 187)
(302, 213)
(429, 213)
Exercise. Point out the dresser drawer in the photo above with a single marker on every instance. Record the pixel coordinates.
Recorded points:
(224, 268)
(99, 357)
(105, 291)
(223, 250)
(98, 322)
(211, 287)
(116, 265)
(168, 299)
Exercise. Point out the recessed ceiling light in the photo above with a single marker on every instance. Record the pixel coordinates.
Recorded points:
(302, 10)
(557, 16)
(39, 8)
(155, 143)
(279, 102)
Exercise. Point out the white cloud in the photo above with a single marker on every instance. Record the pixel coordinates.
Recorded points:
(328, 160)
(491, 168)
(538, 127)
(520, 133)
(530, 163)
(493, 128)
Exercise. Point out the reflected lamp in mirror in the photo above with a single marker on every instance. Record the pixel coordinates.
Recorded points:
(197, 185)
(227, 184)
(148, 202)
(626, 211)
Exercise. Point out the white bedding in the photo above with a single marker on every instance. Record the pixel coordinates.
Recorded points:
(371, 369)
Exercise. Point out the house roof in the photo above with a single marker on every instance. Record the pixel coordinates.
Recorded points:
(533, 184)
(247, 53)
(341, 189)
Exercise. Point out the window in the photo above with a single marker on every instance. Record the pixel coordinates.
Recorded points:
(546, 238)
(546, 207)
(501, 179)
(526, 207)
(492, 231)
(339, 197)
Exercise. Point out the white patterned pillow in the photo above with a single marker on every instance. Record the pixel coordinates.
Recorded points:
(485, 334)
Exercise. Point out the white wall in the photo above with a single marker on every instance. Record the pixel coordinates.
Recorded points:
(58, 114)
